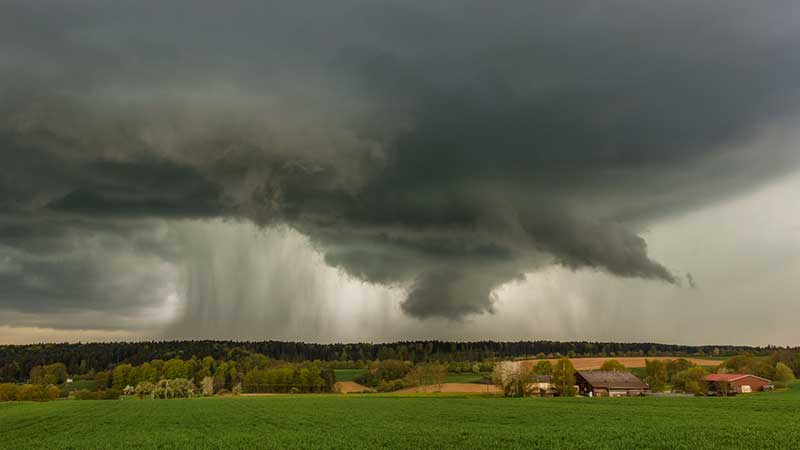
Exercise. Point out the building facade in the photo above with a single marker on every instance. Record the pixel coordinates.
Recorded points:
(736, 383)
(601, 383)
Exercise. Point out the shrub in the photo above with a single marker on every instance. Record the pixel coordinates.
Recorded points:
(392, 369)
(388, 370)
(67, 388)
(486, 366)
(106, 394)
(176, 388)
(207, 386)
(389, 386)
(458, 367)
(82, 394)
(145, 389)
(109, 394)
(426, 374)
(36, 393)
(53, 392)
(8, 392)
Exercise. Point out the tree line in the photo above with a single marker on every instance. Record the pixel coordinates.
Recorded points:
(680, 375)
(241, 371)
(16, 361)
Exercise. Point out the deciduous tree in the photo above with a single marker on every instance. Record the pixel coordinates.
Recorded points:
(691, 380)
(512, 378)
(783, 375)
(543, 367)
(656, 374)
(613, 365)
(564, 378)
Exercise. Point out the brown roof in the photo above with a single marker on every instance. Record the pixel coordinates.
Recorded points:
(542, 379)
(731, 377)
(612, 379)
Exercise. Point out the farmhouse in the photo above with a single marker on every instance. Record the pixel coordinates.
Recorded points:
(541, 385)
(601, 383)
(736, 383)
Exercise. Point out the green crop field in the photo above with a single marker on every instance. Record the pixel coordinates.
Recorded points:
(466, 377)
(757, 421)
(348, 374)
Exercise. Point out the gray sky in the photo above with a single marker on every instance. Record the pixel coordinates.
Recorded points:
(400, 170)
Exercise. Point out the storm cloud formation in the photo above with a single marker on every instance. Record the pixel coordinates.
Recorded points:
(443, 148)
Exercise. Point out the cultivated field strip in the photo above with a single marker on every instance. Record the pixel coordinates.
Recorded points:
(424, 421)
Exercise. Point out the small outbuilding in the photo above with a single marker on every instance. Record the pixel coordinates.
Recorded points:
(603, 383)
(736, 383)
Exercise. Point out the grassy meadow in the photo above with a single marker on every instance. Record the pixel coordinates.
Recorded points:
(465, 377)
(348, 374)
(756, 421)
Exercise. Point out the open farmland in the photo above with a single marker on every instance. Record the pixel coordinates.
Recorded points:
(350, 387)
(348, 374)
(466, 377)
(764, 421)
(628, 361)
(453, 388)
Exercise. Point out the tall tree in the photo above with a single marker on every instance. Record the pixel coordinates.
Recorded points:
(783, 375)
(121, 376)
(543, 367)
(564, 378)
(691, 380)
(656, 374)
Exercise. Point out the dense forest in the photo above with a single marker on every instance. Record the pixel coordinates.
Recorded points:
(16, 361)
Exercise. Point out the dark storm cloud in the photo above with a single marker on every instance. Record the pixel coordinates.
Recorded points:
(444, 147)
(51, 269)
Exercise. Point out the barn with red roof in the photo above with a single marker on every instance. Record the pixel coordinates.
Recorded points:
(736, 383)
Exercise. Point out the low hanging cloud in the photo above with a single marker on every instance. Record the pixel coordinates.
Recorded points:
(446, 149)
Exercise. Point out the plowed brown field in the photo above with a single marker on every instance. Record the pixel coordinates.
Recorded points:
(349, 387)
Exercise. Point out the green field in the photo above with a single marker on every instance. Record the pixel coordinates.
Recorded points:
(757, 421)
(348, 374)
(466, 377)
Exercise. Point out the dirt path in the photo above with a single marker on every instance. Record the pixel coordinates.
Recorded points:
(460, 388)
(627, 361)
(349, 387)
